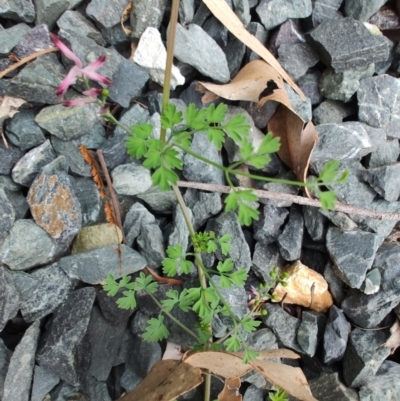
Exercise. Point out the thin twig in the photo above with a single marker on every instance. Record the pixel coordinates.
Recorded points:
(4, 138)
(27, 59)
(112, 194)
(339, 207)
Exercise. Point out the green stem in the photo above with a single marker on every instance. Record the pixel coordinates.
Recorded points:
(109, 117)
(176, 321)
(170, 56)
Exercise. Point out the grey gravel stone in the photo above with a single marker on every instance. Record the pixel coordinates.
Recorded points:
(331, 111)
(216, 30)
(364, 355)
(18, 10)
(94, 389)
(131, 179)
(297, 58)
(253, 393)
(362, 9)
(180, 232)
(8, 157)
(137, 218)
(227, 223)
(7, 213)
(330, 388)
(291, 239)
(257, 30)
(349, 140)
(105, 339)
(53, 288)
(386, 152)
(10, 297)
(10, 37)
(283, 325)
(93, 266)
(29, 166)
(199, 171)
(268, 227)
(203, 205)
(89, 199)
(110, 309)
(186, 11)
(159, 201)
(74, 22)
(346, 44)
(23, 131)
(372, 282)
(193, 46)
(48, 11)
(106, 14)
(288, 32)
(384, 181)
(37, 81)
(336, 335)
(309, 84)
(151, 246)
(343, 85)
(273, 12)
(34, 40)
(68, 123)
(43, 383)
(17, 384)
(325, 10)
(315, 222)
(310, 331)
(242, 10)
(66, 349)
(301, 107)
(38, 248)
(353, 253)
(5, 355)
(336, 285)
(265, 259)
(63, 391)
(368, 311)
(146, 13)
(384, 385)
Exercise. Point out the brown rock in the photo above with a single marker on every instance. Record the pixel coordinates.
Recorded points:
(54, 206)
(305, 287)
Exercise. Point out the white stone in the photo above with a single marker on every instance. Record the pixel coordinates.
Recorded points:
(151, 55)
(131, 179)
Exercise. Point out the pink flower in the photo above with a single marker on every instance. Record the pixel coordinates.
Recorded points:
(77, 71)
(91, 97)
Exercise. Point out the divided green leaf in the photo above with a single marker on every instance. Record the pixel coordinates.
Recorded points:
(128, 301)
(156, 330)
(171, 117)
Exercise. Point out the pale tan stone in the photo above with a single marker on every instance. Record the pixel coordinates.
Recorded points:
(305, 287)
(95, 237)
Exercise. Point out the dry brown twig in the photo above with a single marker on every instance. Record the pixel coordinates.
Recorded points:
(300, 200)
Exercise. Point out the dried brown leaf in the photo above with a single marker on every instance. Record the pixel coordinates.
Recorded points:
(229, 19)
(297, 141)
(223, 364)
(272, 354)
(8, 107)
(172, 351)
(393, 341)
(166, 381)
(258, 82)
(231, 366)
(230, 391)
(125, 16)
(290, 379)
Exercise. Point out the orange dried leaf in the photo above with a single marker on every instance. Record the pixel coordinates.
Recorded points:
(166, 381)
(125, 16)
(230, 391)
(229, 19)
(109, 212)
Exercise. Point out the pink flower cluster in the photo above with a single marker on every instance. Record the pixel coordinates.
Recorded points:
(79, 71)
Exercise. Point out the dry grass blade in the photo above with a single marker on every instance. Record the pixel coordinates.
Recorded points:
(393, 341)
(166, 381)
(228, 18)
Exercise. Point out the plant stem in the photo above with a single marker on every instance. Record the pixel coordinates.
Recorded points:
(109, 117)
(170, 56)
(176, 321)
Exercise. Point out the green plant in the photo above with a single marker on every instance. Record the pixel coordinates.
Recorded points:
(278, 395)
